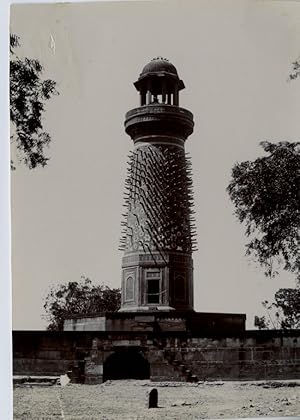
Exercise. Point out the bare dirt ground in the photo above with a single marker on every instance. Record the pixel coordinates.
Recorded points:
(177, 401)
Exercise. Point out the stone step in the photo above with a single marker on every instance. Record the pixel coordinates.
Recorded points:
(35, 380)
(183, 373)
(36, 384)
(168, 379)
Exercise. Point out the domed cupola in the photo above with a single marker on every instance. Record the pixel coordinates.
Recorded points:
(158, 65)
(159, 83)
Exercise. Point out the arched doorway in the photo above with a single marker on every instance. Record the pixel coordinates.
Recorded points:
(126, 363)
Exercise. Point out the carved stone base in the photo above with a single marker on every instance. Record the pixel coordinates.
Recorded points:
(151, 283)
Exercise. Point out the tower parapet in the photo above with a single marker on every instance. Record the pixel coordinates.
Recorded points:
(159, 123)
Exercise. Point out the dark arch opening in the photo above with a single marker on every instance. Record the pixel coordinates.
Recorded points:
(126, 363)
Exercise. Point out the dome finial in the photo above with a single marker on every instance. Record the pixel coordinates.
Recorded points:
(160, 58)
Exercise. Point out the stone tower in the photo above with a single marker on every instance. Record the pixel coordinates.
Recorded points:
(158, 236)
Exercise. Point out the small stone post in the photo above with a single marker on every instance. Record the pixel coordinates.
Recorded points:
(152, 398)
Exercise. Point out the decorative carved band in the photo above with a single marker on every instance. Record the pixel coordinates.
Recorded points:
(159, 109)
(138, 259)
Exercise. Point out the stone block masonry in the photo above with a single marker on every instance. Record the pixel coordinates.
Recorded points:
(92, 357)
(192, 322)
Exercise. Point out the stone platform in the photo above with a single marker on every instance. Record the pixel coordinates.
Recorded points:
(157, 321)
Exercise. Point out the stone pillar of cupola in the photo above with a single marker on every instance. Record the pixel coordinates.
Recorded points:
(143, 97)
(163, 91)
(149, 97)
(176, 96)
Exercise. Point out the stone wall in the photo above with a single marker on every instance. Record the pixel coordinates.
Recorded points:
(47, 352)
(252, 355)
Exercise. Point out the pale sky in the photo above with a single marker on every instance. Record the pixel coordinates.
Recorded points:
(234, 58)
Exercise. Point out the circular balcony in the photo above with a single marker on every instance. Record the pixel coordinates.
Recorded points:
(154, 121)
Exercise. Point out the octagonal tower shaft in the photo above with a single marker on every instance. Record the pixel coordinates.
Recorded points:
(158, 237)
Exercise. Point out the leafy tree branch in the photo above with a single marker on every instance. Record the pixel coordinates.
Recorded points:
(266, 195)
(28, 94)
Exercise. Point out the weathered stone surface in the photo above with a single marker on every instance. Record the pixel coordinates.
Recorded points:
(93, 369)
(85, 324)
(126, 342)
(144, 318)
(172, 356)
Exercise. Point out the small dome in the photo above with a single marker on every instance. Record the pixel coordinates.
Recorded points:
(158, 65)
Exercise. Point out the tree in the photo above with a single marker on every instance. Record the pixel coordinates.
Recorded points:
(284, 312)
(266, 195)
(28, 93)
(296, 70)
(79, 298)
